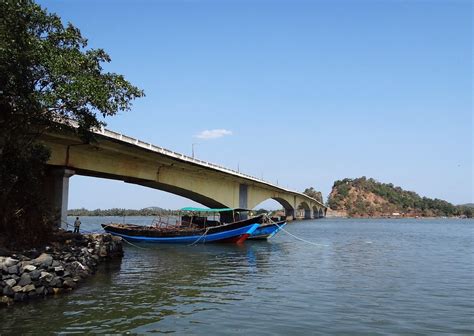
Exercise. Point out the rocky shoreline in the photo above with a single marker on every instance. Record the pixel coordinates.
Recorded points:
(56, 268)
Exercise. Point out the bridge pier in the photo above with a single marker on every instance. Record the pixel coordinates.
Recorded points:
(243, 199)
(290, 214)
(56, 189)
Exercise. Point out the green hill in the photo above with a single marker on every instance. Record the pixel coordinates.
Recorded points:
(362, 197)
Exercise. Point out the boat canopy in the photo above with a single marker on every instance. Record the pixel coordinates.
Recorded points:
(211, 210)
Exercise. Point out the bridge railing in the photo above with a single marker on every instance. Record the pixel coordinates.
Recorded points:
(143, 144)
(170, 153)
(125, 138)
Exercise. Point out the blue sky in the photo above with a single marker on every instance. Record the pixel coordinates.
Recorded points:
(311, 91)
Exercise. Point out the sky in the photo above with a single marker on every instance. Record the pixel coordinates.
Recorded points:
(301, 93)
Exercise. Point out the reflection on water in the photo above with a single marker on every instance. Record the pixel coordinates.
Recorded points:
(367, 276)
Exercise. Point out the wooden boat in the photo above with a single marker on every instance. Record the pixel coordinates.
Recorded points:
(187, 232)
(267, 230)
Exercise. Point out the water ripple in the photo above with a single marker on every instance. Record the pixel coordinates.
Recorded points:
(371, 277)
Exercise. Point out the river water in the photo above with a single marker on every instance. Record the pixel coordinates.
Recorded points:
(358, 277)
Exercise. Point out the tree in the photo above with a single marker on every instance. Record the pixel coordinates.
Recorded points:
(311, 192)
(47, 75)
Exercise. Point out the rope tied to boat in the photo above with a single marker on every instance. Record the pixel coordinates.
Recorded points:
(298, 238)
(197, 240)
(125, 240)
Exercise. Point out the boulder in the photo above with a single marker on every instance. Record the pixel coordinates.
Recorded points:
(7, 290)
(40, 290)
(8, 261)
(19, 297)
(17, 289)
(69, 283)
(13, 269)
(35, 275)
(46, 276)
(10, 282)
(29, 268)
(56, 282)
(25, 279)
(44, 260)
(29, 288)
(59, 270)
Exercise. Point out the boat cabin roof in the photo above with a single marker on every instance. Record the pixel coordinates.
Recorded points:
(191, 209)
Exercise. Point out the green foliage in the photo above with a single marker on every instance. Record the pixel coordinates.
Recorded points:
(396, 200)
(153, 211)
(261, 211)
(311, 192)
(47, 75)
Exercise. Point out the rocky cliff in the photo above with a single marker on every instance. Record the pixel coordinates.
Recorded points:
(362, 197)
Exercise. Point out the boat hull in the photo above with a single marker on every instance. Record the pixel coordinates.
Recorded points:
(232, 233)
(267, 231)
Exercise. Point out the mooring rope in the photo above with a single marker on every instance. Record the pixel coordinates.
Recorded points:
(205, 232)
(140, 247)
(301, 239)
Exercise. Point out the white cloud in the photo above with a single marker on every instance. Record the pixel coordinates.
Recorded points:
(213, 134)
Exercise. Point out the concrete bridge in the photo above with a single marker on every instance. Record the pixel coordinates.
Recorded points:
(116, 156)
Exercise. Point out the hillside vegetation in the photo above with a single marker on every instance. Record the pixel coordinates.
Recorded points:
(368, 197)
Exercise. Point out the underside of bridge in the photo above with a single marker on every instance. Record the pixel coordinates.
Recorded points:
(114, 159)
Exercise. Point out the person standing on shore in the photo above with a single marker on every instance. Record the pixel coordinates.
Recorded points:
(77, 224)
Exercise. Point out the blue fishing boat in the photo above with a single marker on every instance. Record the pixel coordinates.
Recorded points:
(267, 230)
(191, 228)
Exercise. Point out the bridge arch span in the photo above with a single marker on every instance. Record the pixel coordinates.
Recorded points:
(304, 210)
(116, 156)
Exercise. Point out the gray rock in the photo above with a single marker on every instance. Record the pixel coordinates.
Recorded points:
(17, 289)
(29, 288)
(19, 297)
(10, 282)
(13, 269)
(59, 270)
(44, 260)
(35, 275)
(29, 268)
(8, 291)
(8, 261)
(25, 279)
(69, 283)
(46, 276)
(55, 263)
(56, 282)
(40, 290)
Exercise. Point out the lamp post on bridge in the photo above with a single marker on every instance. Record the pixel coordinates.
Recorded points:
(192, 147)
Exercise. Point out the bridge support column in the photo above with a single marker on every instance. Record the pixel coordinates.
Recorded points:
(243, 199)
(290, 214)
(57, 192)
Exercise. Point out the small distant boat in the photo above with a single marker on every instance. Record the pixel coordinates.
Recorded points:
(188, 229)
(267, 230)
